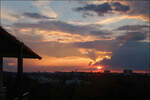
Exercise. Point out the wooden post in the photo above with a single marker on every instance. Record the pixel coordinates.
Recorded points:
(20, 64)
(1, 72)
(2, 89)
(20, 68)
(20, 73)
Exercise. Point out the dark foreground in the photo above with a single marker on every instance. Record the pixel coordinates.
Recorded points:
(94, 87)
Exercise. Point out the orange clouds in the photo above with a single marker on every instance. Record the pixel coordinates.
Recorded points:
(95, 55)
(52, 62)
(55, 36)
(64, 37)
(11, 64)
(80, 62)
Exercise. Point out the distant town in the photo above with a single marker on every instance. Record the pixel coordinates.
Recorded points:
(77, 77)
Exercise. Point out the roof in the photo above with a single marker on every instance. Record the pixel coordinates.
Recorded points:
(11, 47)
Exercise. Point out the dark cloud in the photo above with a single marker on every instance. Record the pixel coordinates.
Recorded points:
(133, 32)
(133, 36)
(135, 8)
(36, 16)
(104, 34)
(92, 29)
(134, 28)
(32, 15)
(92, 55)
(104, 62)
(101, 32)
(99, 9)
(100, 45)
(119, 7)
(104, 8)
(133, 55)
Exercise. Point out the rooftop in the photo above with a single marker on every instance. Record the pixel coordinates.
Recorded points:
(10, 46)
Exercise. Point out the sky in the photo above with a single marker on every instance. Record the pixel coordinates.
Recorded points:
(81, 35)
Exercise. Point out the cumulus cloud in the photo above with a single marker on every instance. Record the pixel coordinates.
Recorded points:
(99, 9)
(105, 8)
(132, 8)
(92, 55)
(120, 7)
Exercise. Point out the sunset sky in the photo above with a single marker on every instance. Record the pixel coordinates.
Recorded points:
(80, 35)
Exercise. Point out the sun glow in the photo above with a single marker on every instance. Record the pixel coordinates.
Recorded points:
(99, 67)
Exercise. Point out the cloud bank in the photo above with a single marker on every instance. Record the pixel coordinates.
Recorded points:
(132, 55)
(132, 8)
